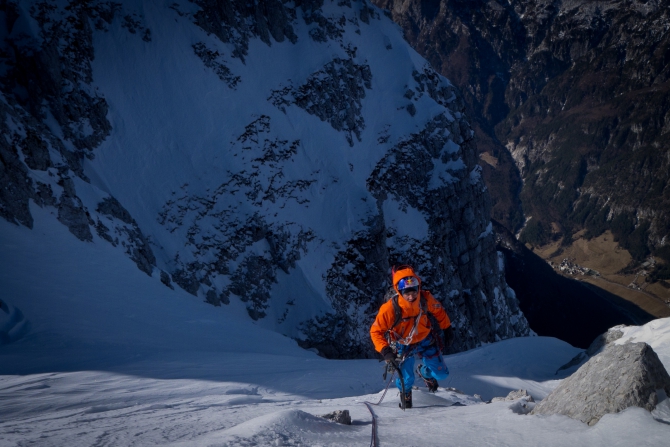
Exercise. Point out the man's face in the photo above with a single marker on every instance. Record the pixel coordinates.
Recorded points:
(409, 288)
(410, 293)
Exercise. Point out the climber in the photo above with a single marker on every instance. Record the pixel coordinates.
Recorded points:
(403, 328)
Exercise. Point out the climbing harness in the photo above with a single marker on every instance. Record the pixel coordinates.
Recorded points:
(407, 340)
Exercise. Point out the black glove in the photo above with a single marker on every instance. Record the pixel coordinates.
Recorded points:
(389, 356)
(449, 336)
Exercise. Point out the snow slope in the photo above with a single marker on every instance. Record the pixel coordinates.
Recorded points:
(114, 358)
(284, 173)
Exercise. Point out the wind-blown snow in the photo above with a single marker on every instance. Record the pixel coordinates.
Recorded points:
(113, 357)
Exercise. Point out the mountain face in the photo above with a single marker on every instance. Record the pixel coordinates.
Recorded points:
(274, 158)
(577, 92)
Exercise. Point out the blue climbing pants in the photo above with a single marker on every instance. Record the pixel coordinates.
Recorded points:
(433, 363)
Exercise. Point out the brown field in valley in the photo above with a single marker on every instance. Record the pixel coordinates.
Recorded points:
(604, 255)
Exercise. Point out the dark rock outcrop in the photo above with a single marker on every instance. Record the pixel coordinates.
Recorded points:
(238, 21)
(53, 119)
(127, 233)
(72, 213)
(334, 94)
(234, 232)
(621, 376)
(211, 59)
(17, 189)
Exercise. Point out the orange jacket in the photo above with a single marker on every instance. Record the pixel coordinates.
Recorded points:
(402, 331)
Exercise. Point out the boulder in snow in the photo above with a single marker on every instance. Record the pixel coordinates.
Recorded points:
(523, 402)
(621, 376)
(515, 395)
(339, 416)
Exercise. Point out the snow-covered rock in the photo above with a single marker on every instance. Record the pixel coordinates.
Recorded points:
(514, 395)
(278, 156)
(621, 376)
(339, 416)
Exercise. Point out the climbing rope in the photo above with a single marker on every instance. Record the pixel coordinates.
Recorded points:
(374, 440)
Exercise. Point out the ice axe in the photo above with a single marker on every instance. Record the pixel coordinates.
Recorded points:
(393, 366)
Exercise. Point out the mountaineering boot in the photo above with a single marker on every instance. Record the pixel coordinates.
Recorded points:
(407, 398)
(431, 383)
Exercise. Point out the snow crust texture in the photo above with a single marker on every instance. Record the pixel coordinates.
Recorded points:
(279, 156)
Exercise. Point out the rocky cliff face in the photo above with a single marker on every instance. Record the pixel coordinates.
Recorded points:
(276, 157)
(578, 92)
(53, 119)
